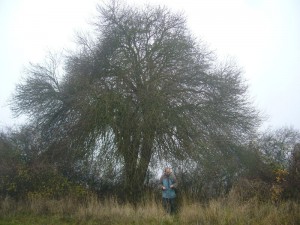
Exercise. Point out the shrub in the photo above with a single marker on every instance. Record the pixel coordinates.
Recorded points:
(40, 182)
(245, 190)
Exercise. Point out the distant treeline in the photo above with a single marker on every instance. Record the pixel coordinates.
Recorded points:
(266, 168)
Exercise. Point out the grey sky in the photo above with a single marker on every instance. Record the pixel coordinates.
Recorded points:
(263, 36)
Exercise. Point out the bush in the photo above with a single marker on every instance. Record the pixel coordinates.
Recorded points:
(39, 182)
(293, 178)
(245, 190)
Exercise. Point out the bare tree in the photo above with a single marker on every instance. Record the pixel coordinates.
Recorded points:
(277, 145)
(143, 87)
(294, 173)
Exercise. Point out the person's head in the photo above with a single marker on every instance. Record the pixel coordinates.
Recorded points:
(167, 171)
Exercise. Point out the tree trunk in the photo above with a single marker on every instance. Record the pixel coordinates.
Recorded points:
(136, 167)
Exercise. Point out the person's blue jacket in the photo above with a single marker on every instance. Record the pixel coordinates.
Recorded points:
(166, 181)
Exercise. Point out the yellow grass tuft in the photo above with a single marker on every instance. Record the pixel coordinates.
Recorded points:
(216, 212)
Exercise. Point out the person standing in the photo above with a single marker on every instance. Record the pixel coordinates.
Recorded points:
(168, 185)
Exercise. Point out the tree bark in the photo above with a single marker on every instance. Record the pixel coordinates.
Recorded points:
(136, 166)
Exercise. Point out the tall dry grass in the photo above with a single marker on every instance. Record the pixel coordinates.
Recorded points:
(251, 212)
(92, 211)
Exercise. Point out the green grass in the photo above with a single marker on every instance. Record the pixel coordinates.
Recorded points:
(94, 212)
(32, 219)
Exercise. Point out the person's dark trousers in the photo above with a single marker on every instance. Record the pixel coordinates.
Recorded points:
(169, 205)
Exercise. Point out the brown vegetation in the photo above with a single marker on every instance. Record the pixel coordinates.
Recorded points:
(92, 211)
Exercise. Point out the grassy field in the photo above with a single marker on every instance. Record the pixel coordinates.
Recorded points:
(94, 212)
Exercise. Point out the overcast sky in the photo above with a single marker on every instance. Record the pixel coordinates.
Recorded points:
(262, 36)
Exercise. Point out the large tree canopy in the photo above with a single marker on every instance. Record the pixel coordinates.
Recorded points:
(141, 87)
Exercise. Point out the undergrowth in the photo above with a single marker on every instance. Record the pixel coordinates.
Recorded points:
(91, 211)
